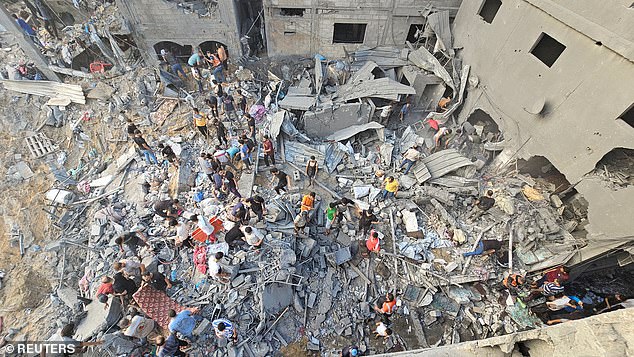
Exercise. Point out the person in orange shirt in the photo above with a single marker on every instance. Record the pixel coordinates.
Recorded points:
(387, 308)
(373, 243)
(308, 202)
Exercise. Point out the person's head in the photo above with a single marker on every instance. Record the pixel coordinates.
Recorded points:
(239, 92)
(137, 132)
(558, 295)
(313, 194)
(388, 331)
(240, 141)
(160, 340)
(448, 131)
(332, 205)
(415, 147)
(389, 297)
(274, 171)
(14, 16)
(390, 178)
(214, 82)
(161, 146)
(490, 193)
(118, 266)
(171, 313)
(219, 255)
(146, 276)
(375, 235)
(172, 222)
(312, 157)
(248, 229)
(106, 279)
(67, 330)
(266, 137)
(194, 218)
(118, 240)
(221, 326)
(103, 298)
(354, 352)
(176, 201)
(128, 120)
(195, 110)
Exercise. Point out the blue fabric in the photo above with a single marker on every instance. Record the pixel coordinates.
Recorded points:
(149, 156)
(219, 74)
(29, 31)
(170, 347)
(479, 250)
(184, 323)
(228, 331)
(177, 69)
(232, 151)
(387, 194)
(409, 164)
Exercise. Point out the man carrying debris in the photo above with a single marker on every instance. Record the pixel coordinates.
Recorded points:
(482, 205)
(283, 181)
(269, 150)
(387, 307)
(184, 322)
(132, 241)
(225, 329)
(123, 287)
(390, 188)
(409, 158)
(145, 149)
(130, 268)
(547, 289)
(182, 237)
(386, 111)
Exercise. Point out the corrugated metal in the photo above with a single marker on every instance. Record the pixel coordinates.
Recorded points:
(444, 162)
(47, 89)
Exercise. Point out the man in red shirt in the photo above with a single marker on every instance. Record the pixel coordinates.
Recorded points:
(269, 151)
(373, 242)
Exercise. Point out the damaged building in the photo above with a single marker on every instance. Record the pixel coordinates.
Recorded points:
(448, 172)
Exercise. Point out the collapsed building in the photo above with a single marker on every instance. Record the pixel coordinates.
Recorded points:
(559, 200)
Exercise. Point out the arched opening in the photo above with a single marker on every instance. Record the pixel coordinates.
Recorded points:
(182, 53)
(616, 168)
(212, 46)
(481, 118)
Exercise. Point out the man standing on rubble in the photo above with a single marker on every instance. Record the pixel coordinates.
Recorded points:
(228, 105)
(387, 307)
(308, 202)
(269, 150)
(331, 214)
(409, 158)
(390, 188)
(221, 132)
(366, 221)
(212, 103)
(283, 181)
(201, 122)
(145, 149)
(482, 205)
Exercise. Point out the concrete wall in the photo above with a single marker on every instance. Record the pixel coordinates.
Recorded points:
(388, 23)
(601, 335)
(158, 20)
(585, 91)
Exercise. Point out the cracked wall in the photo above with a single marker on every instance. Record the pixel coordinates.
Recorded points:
(583, 93)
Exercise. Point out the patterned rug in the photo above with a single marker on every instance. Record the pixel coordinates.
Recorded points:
(156, 305)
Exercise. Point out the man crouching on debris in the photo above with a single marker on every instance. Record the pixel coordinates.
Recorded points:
(184, 322)
(387, 308)
(482, 205)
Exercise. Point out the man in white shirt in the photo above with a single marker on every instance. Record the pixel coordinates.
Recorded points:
(252, 236)
(215, 270)
(409, 158)
(203, 224)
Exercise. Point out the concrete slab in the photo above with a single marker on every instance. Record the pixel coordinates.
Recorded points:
(92, 323)
(276, 297)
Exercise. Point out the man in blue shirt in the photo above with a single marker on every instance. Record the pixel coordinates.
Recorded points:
(195, 60)
(28, 30)
(184, 322)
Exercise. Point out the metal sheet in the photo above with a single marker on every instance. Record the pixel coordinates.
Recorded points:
(425, 60)
(444, 162)
(346, 133)
(298, 102)
(439, 23)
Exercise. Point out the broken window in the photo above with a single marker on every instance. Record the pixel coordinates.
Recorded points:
(415, 33)
(489, 9)
(349, 33)
(628, 116)
(287, 11)
(547, 49)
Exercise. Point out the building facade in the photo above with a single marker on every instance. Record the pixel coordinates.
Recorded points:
(306, 27)
(556, 77)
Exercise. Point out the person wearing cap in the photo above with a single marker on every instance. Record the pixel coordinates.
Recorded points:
(350, 351)
(105, 289)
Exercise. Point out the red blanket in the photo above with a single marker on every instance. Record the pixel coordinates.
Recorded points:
(156, 305)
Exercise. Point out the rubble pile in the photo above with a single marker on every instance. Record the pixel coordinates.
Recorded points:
(315, 287)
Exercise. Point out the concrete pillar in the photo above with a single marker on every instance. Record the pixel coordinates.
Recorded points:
(146, 49)
(26, 44)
